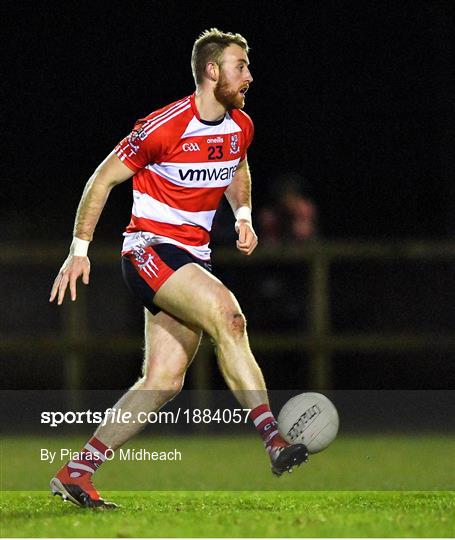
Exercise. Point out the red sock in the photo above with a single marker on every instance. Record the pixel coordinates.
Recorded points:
(265, 423)
(91, 457)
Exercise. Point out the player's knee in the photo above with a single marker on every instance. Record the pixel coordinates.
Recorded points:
(232, 323)
(227, 319)
(237, 323)
(166, 381)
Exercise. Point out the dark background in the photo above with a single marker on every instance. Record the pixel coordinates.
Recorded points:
(357, 97)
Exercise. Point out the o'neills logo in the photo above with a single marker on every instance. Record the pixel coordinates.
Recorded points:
(200, 175)
(216, 140)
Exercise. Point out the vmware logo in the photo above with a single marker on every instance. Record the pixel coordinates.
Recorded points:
(198, 175)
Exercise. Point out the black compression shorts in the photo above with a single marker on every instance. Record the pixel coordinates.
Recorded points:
(146, 269)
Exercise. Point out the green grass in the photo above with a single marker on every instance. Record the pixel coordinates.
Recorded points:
(232, 514)
(366, 486)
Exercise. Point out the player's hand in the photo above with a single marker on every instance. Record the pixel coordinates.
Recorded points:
(248, 240)
(73, 268)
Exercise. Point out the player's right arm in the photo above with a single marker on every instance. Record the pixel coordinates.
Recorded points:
(107, 175)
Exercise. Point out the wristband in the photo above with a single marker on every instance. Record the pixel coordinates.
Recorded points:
(244, 212)
(79, 248)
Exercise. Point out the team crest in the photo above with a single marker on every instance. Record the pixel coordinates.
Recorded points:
(234, 144)
(145, 261)
(138, 134)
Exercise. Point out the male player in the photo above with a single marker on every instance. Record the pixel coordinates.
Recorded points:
(182, 158)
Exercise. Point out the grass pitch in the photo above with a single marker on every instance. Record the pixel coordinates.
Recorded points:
(359, 487)
(236, 514)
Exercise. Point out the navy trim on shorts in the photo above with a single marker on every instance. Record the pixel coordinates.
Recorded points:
(170, 254)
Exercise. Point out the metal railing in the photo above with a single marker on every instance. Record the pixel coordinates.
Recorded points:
(319, 341)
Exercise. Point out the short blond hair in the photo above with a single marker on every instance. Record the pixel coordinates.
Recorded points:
(209, 47)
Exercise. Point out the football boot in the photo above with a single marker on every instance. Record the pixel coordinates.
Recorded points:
(284, 458)
(78, 489)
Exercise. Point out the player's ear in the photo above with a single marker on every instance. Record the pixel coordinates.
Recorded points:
(212, 71)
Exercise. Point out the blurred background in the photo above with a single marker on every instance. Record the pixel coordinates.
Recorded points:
(353, 169)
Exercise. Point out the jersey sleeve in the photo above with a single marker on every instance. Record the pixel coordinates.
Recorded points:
(139, 148)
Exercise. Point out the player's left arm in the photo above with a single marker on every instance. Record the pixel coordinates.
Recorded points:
(239, 196)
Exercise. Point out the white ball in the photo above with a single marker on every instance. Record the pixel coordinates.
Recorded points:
(311, 419)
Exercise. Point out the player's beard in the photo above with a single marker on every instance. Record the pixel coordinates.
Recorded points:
(230, 99)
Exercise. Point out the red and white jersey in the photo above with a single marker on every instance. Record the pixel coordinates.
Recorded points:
(182, 167)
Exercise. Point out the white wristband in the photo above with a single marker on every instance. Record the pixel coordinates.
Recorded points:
(79, 248)
(244, 212)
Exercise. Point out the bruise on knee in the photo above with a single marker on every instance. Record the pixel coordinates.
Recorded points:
(238, 324)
